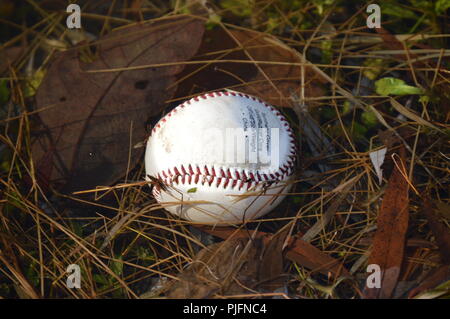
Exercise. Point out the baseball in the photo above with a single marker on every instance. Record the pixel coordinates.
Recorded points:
(221, 158)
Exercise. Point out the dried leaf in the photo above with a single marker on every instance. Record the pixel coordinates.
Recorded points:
(272, 262)
(388, 138)
(443, 209)
(434, 279)
(440, 230)
(389, 240)
(9, 56)
(377, 159)
(409, 114)
(95, 118)
(297, 250)
(208, 275)
(313, 258)
(235, 61)
(392, 42)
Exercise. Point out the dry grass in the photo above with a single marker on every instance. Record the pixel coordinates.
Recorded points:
(122, 240)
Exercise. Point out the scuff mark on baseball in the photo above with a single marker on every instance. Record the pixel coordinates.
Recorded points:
(235, 150)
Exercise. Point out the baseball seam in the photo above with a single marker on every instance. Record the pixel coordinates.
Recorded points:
(225, 177)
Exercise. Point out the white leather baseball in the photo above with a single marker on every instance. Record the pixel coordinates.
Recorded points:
(189, 154)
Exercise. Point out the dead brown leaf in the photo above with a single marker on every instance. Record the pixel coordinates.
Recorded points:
(271, 266)
(443, 209)
(435, 278)
(9, 56)
(297, 250)
(389, 240)
(307, 255)
(208, 275)
(241, 50)
(440, 230)
(95, 119)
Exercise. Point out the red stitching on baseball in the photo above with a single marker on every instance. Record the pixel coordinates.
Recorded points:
(195, 175)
